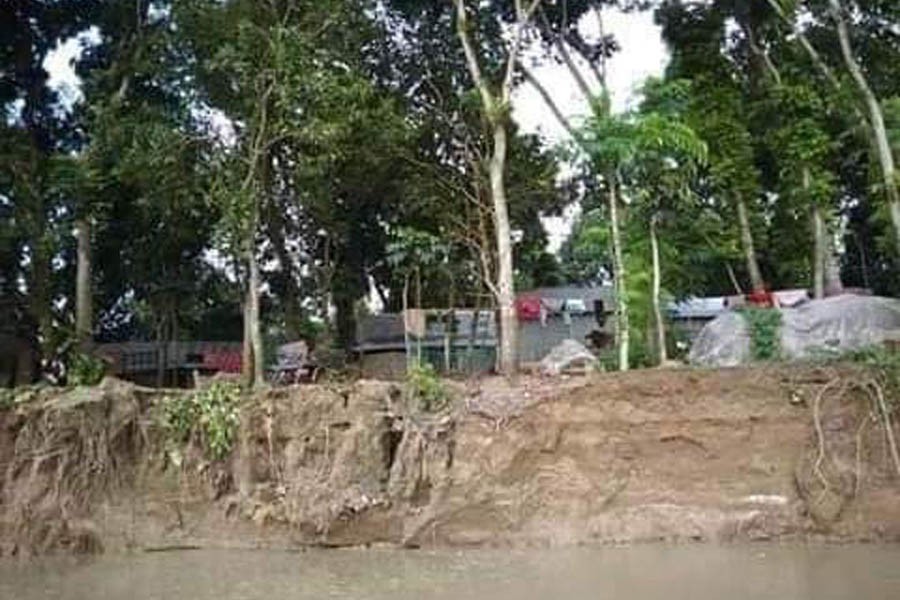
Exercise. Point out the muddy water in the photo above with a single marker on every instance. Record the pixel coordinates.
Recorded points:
(636, 573)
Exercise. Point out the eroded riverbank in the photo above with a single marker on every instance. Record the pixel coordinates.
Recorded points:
(650, 456)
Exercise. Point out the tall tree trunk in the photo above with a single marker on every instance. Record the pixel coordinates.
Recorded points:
(620, 276)
(819, 247)
(756, 280)
(84, 319)
(834, 286)
(733, 278)
(253, 328)
(505, 291)
(247, 344)
(657, 285)
(406, 345)
(496, 109)
(819, 252)
(162, 354)
(876, 119)
(40, 296)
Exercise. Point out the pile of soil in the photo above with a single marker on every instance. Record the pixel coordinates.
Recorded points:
(672, 455)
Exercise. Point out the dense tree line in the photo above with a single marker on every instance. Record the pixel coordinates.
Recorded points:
(256, 169)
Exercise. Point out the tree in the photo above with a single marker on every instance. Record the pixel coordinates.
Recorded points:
(496, 107)
(560, 33)
(718, 112)
(33, 134)
(874, 118)
(655, 157)
(667, 160)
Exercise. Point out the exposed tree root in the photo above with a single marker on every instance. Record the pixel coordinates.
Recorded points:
(837, 389)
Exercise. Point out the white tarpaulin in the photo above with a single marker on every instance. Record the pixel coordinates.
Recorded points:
(833, 325)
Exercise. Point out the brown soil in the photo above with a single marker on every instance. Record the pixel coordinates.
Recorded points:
(671, 455)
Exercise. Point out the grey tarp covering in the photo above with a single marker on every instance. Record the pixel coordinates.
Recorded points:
(834, 325)
(566, 354)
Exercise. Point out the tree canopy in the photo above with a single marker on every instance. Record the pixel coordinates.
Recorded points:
(270, 170)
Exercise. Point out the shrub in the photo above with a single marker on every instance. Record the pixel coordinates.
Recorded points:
(211, 413)
(7, 399)
(765, 332)
(85, 369)
(424, 388)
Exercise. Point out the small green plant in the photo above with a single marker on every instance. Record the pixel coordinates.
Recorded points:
(212, 413)
(7, 399)
(425, 389)
(765, 332)
(85, 369)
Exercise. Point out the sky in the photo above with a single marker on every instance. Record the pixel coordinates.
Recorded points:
(642, 55)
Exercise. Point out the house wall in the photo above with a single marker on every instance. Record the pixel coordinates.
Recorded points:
(537, 340)
(384, 365)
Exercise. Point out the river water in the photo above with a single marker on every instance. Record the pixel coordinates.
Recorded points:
(698, 572)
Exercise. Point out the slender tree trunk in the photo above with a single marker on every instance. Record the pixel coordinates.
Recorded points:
(496, 108)
(406, 343)
(756, 280)
(247, 345)
(419, 307)
(40, 295)
(876, 119)
(84, 324)
(473, 333)
(449, 323)
(819, 252)
(819, 247)
(657, 285)
(253, 328)
(448, 319)
(173, 339)
(733, 278)
(622, 324)
(505, 290)
(162, 354)
(834, 285)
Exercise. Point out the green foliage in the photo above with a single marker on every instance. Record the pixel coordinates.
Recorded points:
(7, 399)
(85, 369)
(424, 389)
(884, 365)
(211, 413)
(765, 332)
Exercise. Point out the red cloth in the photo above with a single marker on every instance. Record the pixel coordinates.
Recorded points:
(224, 361)
(528, 308)
(761, 298)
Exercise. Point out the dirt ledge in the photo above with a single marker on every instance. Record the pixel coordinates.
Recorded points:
(668, 455)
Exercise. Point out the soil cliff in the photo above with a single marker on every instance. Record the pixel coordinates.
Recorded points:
(672, 455)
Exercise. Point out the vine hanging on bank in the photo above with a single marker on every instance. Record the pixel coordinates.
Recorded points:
(765, 332)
